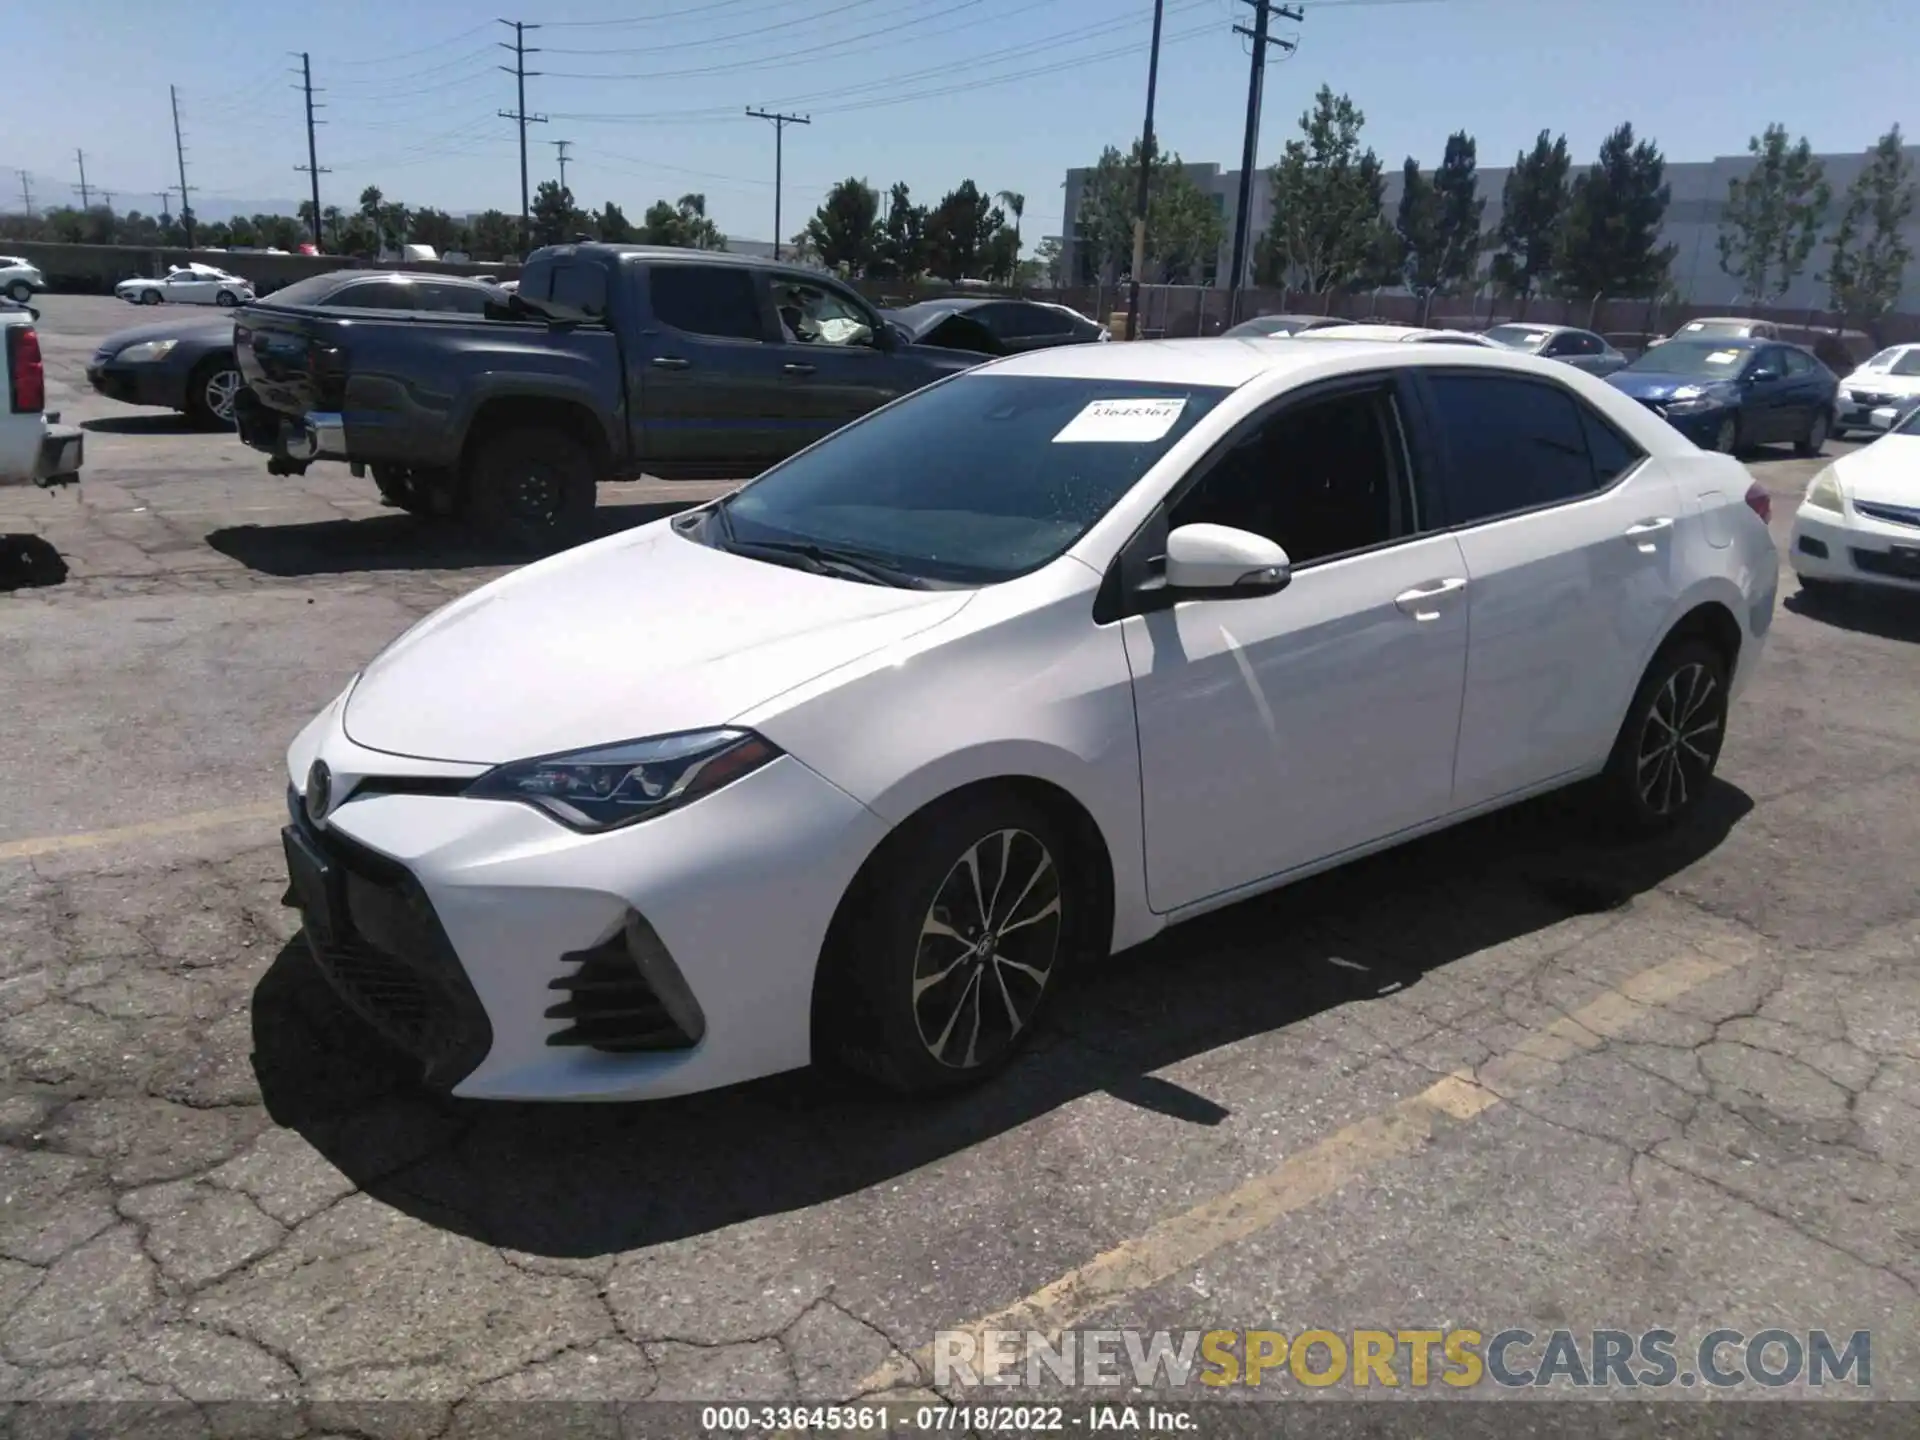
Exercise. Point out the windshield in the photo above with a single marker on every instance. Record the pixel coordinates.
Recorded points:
(1715, 327)
(1519, 337)
(972, 481)
(1700, 359)
(1267, 325)
(1907, 364)
(1910, 425)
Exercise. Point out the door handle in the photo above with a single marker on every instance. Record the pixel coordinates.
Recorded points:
(1644, 535)
(670, 362)
(1425, 602)
(798, 369)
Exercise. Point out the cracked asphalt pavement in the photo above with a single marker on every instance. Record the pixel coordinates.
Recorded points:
(1512, 1076)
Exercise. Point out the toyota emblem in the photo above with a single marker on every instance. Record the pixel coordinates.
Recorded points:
(319, 791)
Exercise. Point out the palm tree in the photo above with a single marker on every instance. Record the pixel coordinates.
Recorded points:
(1016, 204)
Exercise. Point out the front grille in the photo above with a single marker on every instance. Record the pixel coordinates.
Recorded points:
(1879, 562)
(390, 960)
(626, 996)
(1869, 397)
(1893, 514)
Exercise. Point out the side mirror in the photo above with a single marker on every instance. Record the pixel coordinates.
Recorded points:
(887, 336)
(1221, 563)
(1763, 376)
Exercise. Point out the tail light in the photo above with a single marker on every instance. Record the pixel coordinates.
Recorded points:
(1760, 502)
(24, 366)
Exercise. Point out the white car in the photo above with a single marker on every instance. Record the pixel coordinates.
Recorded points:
(34, 447)
(20, 279)
(189, 285)
(1860, 521)
(1413, 334)
(1016, 671)
(1890, 378)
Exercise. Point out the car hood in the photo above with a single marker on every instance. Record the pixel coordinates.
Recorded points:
(643, 633)
(198, 327)
(1656, 385)
(1881, 383)
(1886, 472)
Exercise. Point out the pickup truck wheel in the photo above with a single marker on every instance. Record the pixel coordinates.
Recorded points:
(532, 489)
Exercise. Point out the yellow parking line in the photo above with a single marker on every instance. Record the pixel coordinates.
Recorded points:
(1182, 1241)
(145, 830)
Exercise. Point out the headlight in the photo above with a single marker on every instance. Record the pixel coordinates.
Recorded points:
(1825, 492)
(614, 785)
(1694, 400)
(147, 351)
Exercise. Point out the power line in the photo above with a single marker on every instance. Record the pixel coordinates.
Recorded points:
(86, 196)
(520, 117)
(754, 33)
(780, 123)
(561, 146)
(180, 154)
(313, 167)
(1263, 13)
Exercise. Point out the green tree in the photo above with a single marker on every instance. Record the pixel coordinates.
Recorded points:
(901, 249)
(1015, 204)
(496, 235)
(1327, 229)
(684, 225)
(1773, 215)
(1461, 211)
(959, 230)
(1183, 224)
(1421, 252)
(1000, 260)
(1867, 267)
(613, 225)
(1533, 213)
(844, 232)
(1611, 242)
(332, 223)
(556, 219)
(1049, 262)
(438, 229)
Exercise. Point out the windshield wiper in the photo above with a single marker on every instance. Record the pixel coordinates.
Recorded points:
(828, 560)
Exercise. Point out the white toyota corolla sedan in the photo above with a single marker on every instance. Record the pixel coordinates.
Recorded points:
(1014, 672)
(1860, 521)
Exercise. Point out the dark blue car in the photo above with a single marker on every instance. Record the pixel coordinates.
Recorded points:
(1730, 393)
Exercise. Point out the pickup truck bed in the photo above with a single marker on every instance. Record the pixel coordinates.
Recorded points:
(614, 362)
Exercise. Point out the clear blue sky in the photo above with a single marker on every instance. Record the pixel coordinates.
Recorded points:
(897, 90)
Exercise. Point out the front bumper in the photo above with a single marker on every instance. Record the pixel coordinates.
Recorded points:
(736, 891)
(138, 384)
(1853, 548)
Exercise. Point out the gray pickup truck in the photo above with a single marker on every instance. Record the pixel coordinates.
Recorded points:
(611, 362)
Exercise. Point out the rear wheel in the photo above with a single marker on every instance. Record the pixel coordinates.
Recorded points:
(532, 489)
(1669, 744)
(1815, 440)
(20, 292)
(956, 938)
(211, 392)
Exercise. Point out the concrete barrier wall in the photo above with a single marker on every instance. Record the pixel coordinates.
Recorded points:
(96, 269)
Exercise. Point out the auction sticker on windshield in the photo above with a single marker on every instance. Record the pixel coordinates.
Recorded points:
(1121, 422)
(1723, 357)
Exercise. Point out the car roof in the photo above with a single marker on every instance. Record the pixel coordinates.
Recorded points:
(1719, 342)
(1399, 334)
(1230, 362)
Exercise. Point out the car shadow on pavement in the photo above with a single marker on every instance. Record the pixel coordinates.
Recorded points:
(590, 1180)
(159, 422)
(27, 561)
(394, 542)
(1888, 614)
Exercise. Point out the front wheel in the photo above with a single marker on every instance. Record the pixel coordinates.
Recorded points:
(149, 297)
(532, 490)
(226, 300)
(1821, 592)
(1669, 744)
(1815, 440)
(212, 391)
(1726, 439)
(956, 939)
(20, 292)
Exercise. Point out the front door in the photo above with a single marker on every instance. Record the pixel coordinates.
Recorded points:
(831, 363)
(1282, 730)
(713, 398)
(1568, 532)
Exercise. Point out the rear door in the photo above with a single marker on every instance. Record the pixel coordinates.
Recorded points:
(1806, 390)
(1566, 529)
(1770, 412)
(713, 395)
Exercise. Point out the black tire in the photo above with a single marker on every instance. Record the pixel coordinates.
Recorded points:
(149, 297)
(914, 916)
(1727, 439)
(20, 292)
(1669, 743)
(204, 387)
(226, 300)
(1819, 430)
(1822, 592)
(401, 489)
(532, 490)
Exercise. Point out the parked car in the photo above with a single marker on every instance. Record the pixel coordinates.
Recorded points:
(1581, 349)
(194, 284)
(986, 326)
(1888, 378)
(35, 448)
(1410, 334)
(612, 361)
(1729, 395)
(183, 364)
(1859, 524)
(852, 764)
(20, 279)
(1715, 327)
(393, 290)
(1269, 326)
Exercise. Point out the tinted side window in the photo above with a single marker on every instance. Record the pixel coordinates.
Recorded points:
(457, 299)
(706, 300)
(1317, 478)
(1009, 322)
(1513, 443)
(1613, 454)
(1799, 362)
(1585, 342)
(579, 290)
(375, 295)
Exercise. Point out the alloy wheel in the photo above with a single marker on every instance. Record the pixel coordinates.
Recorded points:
(222, 387)
(1817, 436)
(1727, 437)
(1680, 740)
(987, 949)
(537, 497)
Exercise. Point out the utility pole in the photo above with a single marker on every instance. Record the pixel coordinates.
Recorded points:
(1263, 13)
(86, 196)
(26, 191)
(106, 199)
(165, 197)
(312, 167)
(1146, 175)
(780, 123)
(520, 116)
(561, 146)
(180, 154)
